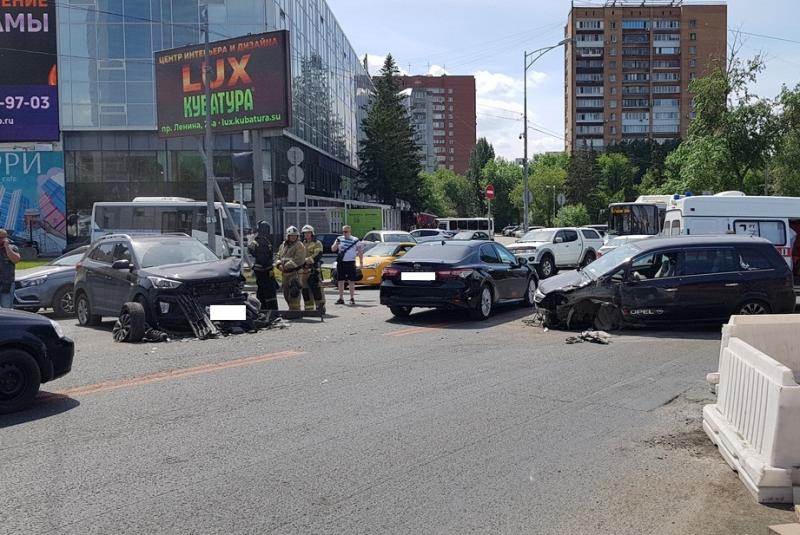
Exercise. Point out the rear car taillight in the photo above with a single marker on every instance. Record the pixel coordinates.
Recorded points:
(390, 273)
(453, 274)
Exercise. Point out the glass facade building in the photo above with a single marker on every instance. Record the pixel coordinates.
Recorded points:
(107, 100)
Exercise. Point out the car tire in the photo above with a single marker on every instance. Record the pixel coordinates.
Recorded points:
(20, 378)
(483, 308)
(547, 267)
(753, 307)
(131, 325)
(83, 309)
(400, 312)
(588, 258)
(64, 302)
(530, 292)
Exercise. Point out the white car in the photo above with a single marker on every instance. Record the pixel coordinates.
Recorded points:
(430, 234)
(550, 249)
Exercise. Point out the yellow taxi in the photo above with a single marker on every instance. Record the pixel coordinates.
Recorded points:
(378, 257)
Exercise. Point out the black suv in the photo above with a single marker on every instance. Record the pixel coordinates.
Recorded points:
(157, 276)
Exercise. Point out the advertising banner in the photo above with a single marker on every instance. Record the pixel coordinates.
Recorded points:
(28, 73)
(32, 199)
(250, 85)
(363, 220)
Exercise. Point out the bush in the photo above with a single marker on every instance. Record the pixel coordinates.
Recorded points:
(572, 215)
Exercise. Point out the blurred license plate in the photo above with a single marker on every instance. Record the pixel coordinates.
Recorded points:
(418, 276)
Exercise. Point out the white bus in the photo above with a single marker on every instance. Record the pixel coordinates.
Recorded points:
(455, 224)
(158, 215)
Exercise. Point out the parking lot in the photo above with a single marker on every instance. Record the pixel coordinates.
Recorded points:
(366, 424)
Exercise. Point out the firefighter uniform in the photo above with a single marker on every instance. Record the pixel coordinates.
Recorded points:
(291, 257)
(313, 297)
(261, 250)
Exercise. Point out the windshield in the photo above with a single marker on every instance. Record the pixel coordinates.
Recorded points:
(68, 259)
(539, 235)
(397, 238)
(465, 235)
(173, 252)
(381, 250)
(609, 261)
(632, 219)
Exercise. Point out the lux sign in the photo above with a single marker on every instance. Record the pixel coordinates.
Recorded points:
(238, 75)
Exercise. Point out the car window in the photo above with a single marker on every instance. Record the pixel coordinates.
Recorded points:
(709, 261)
(656, 265)
(774, 231)
(751, 259)
(122, 252)
(590, 234)
(505, 255)
(489, 255)
(570, 235)
(370, 237)
(676, 228)
(395, 238)
(104, 252)
(67, 260)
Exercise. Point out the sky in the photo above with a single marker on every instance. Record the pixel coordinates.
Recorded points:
(488, 40)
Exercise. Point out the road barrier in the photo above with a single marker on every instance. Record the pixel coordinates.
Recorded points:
(756, 420)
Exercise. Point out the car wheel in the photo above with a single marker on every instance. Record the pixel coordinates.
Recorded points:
(753, 308)
(400, 312)
(547, 267)
(588, 258)
(83, 309)
(19, 380)
(131, 325)
(530, 293)
(483, 308)
(64, 302)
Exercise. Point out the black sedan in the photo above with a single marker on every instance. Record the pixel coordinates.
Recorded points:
(468, 275)
(33, 350)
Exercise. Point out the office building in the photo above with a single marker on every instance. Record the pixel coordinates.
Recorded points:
(629, 64)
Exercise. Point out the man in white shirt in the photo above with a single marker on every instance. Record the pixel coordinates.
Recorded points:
(347, 247)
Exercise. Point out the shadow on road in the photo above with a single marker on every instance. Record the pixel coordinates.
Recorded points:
(45, 406)
(459, 320)
(701, 332)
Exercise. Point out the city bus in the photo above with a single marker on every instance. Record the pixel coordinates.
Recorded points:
(160, 215)
(633, 221)
(455, 224)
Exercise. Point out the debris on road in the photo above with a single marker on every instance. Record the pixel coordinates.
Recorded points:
(594, 337)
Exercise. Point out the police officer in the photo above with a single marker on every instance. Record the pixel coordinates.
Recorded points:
(291, 258)
(261, 250)
(310, 274)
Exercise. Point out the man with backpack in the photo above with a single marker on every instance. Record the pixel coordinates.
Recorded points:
(347, 247)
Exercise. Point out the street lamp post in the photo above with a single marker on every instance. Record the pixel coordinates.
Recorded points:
(535, 55)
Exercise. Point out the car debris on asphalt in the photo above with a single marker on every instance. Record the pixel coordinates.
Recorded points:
(594, 337)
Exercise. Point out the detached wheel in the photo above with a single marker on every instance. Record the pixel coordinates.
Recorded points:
(753, 308)
(547, 267)
(588, 259)
(530, 293)
(83, 309)
(64, 302)
(131, 325)
(400, 312)
(483, 308)
(19, 380)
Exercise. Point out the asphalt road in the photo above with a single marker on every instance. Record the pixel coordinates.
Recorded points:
(364, 424)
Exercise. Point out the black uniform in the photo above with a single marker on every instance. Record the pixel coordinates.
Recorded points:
(261, 249)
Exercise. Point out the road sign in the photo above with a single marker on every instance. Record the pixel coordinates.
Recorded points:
(296, 174)
(489, 192)
(562, 199)
(295, 155)
(297, 193)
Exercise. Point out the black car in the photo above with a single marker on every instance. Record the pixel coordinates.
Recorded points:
(33, 350)
(468, 275)
(153, 281)
(689, 279)
(327, 240)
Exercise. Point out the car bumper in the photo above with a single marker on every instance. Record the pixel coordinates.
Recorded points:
(174, 319)
(372, 276)
(35, 297)
(61, 353)
(427, 297)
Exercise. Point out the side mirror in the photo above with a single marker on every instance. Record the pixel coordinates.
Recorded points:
(121, 265)
(559, 240)
(522, 261)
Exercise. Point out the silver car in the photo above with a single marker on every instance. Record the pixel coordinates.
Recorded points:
(49, 286)
(430, 234)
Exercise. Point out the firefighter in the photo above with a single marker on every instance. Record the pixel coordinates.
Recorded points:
(291, 257)
(313, 298)
(261, 250)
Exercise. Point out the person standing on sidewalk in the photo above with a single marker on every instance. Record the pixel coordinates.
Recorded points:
(347, 247)
(261, 250)
(9, 257)
(291, 257)
(313, 297)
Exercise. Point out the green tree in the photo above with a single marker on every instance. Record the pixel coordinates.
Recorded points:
(784, 173)
(481, 154)
(546, 180)
(505, 176)
(446, 194)
(572, 215)
(618, 177)
(390, 160)
(583, 185)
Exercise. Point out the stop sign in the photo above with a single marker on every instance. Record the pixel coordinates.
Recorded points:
(489, 192)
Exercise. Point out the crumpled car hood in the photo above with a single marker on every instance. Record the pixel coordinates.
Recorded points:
(564, 282)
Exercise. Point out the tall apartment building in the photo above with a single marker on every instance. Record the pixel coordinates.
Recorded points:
(442, 110)
(629, 65)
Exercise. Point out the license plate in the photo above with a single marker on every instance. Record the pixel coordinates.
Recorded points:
(228, 312)
(418, 276)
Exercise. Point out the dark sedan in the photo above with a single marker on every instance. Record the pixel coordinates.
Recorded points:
(33, 350)
(467, 275)
(689, 279)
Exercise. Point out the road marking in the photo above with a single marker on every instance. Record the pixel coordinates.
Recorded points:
(173, 374)
(416, 330)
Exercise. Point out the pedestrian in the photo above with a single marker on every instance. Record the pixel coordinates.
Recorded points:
(261, 250)
(313, 297)
(347, 248)
(9, 256)
(291, 257)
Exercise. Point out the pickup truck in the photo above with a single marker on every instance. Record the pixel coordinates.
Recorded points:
(551, 249)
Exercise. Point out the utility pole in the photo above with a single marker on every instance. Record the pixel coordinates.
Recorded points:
(211, 211)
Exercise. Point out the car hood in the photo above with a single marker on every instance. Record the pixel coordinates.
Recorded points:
(526, 244)
(619, 241)
(8, 315)
(195, 272)
(41, 271)
(565, 282)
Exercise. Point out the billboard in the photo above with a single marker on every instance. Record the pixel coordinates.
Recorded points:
(363, 220)
(250, 85)
(32, 199)
(28, 72)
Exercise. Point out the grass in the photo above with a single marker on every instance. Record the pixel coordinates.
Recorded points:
(27, 264)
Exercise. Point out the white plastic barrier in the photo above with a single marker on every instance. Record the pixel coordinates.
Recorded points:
(756, 420)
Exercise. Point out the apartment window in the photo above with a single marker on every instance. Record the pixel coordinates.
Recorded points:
(666, 103)
(613, 24)
(635, 116)
(590, 103)
(449, 99)
(590, 51)
(589, 117)
(451, 108)
(663, 50)
(635, 64)
(611, 64)
(449, 125)
(693, 36)
(693, 50)
(633, 38)
(613, 37)
(450, 116)
(590, 90)
(666, 24)
(634, 129)
(667, 37)
(635, 77)
(450, 91)
(692, 75)
(613, 51)
(613, 130)
(612, 77)
(635, 90)
(692, 23)
(665, 128)
(613, 116)
(450, 134)
(452, 150)
(589, 24)
(612, 103)
(666, 64)
(452, 159)
(588, 77)
(589, 129)
(633, 24)
(613, 90)
(666, 89)
(665, 115)
(629, 51)
(451, 141)
(635, 103)
(692, 62)
(666, 76)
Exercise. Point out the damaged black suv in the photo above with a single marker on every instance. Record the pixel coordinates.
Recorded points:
(158, 281)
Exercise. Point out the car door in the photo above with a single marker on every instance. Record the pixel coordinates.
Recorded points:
(711, 283)
(571, 247)
(517, 274)
(98, 277)
(649, 289)
(496, 270)
(122, 280)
